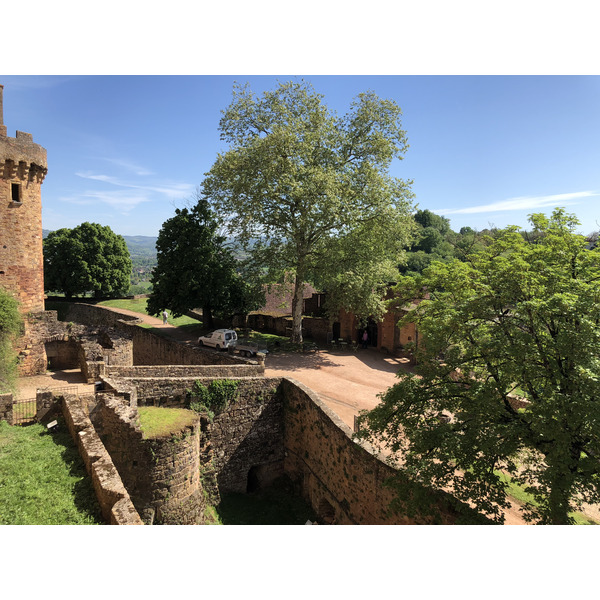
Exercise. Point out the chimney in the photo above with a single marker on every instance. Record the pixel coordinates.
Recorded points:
(2, 125)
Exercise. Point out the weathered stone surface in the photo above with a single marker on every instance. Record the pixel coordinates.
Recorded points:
(113, 498)
(23, 166)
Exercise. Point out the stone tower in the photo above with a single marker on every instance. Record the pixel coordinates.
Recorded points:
(22, 170)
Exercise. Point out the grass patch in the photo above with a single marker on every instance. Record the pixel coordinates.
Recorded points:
(159, 422)
(43, 480)
(273, 342)
(516, 492)
(137, 305)
(276, 505)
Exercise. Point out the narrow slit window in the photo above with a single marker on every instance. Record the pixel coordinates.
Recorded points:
(16, 192)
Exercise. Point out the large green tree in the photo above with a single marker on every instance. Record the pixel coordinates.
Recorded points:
(433, 241)
(195, 268)
(87, 258)
(10, 327)
(509, 374)
(308, 193)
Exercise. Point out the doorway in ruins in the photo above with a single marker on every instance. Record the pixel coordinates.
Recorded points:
(62, 355)
(372, 328)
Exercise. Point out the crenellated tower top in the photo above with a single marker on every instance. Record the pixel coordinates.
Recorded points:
(23, 167)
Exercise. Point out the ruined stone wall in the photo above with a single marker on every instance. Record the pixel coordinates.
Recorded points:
(6, 408)
(162, 475)
(40, 327)
(63, 354)
(248, 437)
(186, 371)
(115, 503)
(343, 481)
(148, 348)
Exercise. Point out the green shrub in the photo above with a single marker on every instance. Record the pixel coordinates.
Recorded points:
(212, 399)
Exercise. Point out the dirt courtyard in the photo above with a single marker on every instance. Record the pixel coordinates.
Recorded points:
(346, 381)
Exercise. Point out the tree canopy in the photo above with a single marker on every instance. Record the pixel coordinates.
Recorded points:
(87, 258)
(509, 374)
(308, 193)
(195, 268)
(10, 327)
(435, 241)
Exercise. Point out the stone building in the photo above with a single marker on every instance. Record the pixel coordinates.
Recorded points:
(23, 167)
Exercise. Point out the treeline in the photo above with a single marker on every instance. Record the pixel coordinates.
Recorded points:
(435, 241)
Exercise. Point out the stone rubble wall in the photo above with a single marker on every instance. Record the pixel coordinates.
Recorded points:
(149, 348)
(162, 475)
(185, 371)
(115, 502)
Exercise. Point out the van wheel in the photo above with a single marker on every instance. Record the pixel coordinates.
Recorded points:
(200, 343)
(218, 347)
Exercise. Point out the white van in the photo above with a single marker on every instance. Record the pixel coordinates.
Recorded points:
(220, 338)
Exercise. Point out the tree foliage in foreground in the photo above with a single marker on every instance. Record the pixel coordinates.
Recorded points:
(309, 195)
(10, 327)
(518, 319)
(196, 269)
(87, 258)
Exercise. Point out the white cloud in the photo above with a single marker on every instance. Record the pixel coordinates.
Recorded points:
(522, 203)
(171, 190)
(137, 169)
(105, 178)
(121, 201)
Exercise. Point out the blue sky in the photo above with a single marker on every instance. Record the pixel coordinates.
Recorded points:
(125, 151)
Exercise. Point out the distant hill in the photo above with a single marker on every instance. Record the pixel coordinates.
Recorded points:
(141, 246)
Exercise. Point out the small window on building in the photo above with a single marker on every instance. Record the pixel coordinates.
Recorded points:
(16, 192)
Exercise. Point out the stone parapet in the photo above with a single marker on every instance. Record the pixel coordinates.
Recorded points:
(113, 498)
(346, 482)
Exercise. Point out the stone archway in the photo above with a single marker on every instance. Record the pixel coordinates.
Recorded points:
(253, 483)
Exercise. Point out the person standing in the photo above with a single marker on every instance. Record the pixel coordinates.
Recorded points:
(365, 339)
(165, 316)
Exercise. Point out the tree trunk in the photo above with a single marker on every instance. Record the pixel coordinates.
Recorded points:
(297, 306)
(559, 500)
(207, 317)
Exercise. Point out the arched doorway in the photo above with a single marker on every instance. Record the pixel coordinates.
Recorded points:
(337, 329)
(253, 482)
(372, 331)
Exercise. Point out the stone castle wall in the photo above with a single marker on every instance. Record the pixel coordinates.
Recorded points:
(23, 166)
(247, 440)
(162, 475)
(344, 482)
